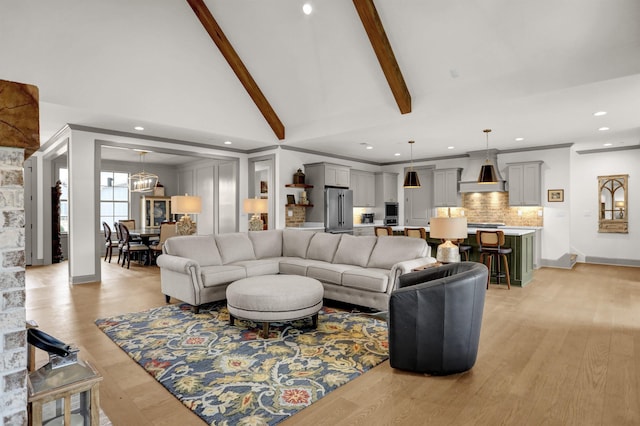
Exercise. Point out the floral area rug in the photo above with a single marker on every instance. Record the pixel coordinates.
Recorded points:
(229, 376)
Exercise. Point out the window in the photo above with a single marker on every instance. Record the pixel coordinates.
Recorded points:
(114, 197)
(63, 177)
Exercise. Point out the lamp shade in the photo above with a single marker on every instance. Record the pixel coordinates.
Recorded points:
(411, 180)
(619, 204)
(256, 205)
(487, 174)
(186, 204)
(448, 228)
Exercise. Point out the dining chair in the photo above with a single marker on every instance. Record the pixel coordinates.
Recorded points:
(131, 224)
(130, 247)
(416, 233)
(108, 242)
(167, 229)
(381, 231)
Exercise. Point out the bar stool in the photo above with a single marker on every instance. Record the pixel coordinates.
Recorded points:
(381, 231)
(463, 248)
(491, 243)
(416, 233)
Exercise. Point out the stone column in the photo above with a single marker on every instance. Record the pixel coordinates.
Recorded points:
(19, 138)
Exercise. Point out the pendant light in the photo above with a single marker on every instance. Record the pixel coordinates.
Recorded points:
(487, 172)
(411, 179)
(142, 181)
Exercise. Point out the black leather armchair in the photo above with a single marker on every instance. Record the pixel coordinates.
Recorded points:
(435, 317)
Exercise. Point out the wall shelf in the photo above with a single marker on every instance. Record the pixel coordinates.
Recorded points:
(298, 185)
(299, 205)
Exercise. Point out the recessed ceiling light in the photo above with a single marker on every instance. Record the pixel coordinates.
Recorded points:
(600, 113)
(397, 154)
(307, 9)
(227, 142)
(139, 128)
(602, 129)
(369, 147)
(450, 147)
(608, 144)
(519, 139)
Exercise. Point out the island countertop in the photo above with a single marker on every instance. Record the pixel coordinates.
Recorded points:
(508, 230)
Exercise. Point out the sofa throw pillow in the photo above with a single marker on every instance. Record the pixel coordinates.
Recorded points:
(295, 243)
(391, 250)
(266, 243)
(201, 248)
(323, 246)
(235, 247)
(354, 250)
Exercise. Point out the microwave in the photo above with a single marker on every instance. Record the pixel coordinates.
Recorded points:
(391, 214)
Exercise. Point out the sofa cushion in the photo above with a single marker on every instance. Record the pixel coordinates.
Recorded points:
(295, 243)
(266, 243)
(268, 266)
(223, 274)
(235, 247)
(296, 265)
(354, 250)
(323, 246)
(328, 272)
(371, 279)
(391, 250)
(200, 248)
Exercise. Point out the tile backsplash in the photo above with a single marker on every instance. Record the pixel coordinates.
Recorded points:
(494, 207)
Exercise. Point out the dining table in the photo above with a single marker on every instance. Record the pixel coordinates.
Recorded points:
(145, 235)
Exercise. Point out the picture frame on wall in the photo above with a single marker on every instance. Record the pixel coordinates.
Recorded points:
(291, 199)
(555, 195)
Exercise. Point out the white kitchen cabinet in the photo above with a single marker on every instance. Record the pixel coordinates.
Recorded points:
(363, 185)
(327, 174)
(446, 183)
(524, 183)
(335, 175)
(386, 184)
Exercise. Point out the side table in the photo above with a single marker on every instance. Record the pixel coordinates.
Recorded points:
(423, 267)
(60, 384)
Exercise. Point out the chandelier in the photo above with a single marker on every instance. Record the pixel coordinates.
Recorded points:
(142, 181)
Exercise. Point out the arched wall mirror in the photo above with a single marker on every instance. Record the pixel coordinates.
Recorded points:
(612, 204)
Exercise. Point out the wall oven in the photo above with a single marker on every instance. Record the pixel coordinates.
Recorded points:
(391, 214)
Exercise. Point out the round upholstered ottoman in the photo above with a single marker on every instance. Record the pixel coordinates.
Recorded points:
(271, 298)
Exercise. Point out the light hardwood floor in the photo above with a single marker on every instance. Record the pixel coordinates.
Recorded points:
(565, 350)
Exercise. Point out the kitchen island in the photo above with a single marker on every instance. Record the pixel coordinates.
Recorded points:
(521, 240)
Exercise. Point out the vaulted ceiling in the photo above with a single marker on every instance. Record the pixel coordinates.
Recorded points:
(531, 69)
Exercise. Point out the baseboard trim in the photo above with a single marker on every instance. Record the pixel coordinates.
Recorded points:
(612, 261)
(84, 279)
(563, 262)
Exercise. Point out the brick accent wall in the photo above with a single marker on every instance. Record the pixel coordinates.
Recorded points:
(298, 217)
(494, 207)
(13, 341)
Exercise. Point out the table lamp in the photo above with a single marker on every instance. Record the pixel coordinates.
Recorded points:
(448, 228)
(620, 206)
(186, 205)
(256, 206)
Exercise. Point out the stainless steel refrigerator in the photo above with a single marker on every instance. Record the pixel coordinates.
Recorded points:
(338, 214)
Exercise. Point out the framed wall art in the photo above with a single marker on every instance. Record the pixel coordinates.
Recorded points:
(555, 195)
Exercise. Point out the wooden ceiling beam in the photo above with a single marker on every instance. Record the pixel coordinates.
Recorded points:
(382, 48)
(211, 26)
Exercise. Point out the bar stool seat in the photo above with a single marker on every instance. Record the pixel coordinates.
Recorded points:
(463, 248)
(491, 245)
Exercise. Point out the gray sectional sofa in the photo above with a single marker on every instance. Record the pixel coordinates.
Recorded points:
(362, 270)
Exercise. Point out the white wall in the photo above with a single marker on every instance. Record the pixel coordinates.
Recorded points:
(585, 238)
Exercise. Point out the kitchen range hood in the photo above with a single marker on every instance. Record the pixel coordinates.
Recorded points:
(469, 180)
